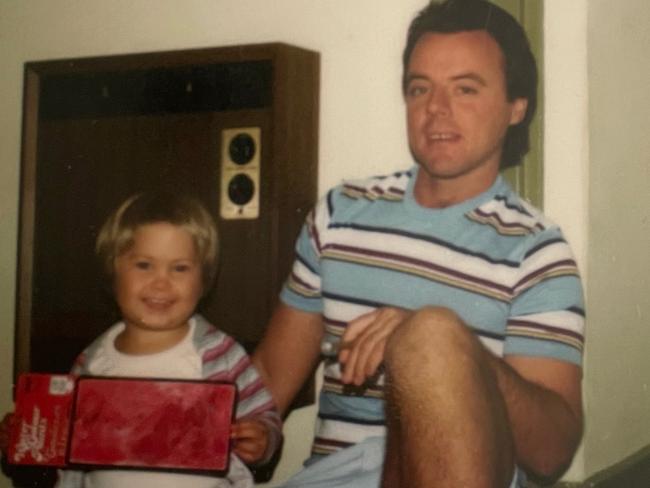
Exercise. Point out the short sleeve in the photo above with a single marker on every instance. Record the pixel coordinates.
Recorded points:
(302, 289)
(547, 316)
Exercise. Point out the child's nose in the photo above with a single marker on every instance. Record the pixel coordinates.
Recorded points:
(161, 278)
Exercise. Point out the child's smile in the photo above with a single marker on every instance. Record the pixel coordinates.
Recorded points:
(158, 284)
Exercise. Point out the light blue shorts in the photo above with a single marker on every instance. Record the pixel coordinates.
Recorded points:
(358, 466)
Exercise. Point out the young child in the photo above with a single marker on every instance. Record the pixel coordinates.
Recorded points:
(160, 252)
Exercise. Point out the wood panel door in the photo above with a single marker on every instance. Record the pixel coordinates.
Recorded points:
(97, 130)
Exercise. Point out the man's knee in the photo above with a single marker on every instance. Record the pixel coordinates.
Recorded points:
(432, 334)
(429, 328)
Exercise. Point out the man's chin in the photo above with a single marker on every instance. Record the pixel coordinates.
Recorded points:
(440, 169)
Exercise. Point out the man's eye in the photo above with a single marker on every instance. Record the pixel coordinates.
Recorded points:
(416, 90)
(467, 90)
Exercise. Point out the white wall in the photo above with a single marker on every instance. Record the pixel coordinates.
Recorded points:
(618, 368)
(566, 151)
(597, 165)
(362, 132)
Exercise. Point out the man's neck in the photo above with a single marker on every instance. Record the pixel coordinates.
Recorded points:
(431, 192)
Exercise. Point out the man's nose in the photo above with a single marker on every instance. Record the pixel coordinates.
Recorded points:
(439, 102)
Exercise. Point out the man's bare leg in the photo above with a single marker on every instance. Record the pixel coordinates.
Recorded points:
(447, 422)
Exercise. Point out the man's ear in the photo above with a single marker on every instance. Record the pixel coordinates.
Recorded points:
(519, 107)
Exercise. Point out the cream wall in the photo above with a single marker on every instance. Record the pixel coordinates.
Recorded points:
(362, 132)
(566, 137)
(618, 368)
(597, 171)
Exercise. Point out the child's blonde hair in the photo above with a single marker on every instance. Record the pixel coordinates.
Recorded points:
(116, 235)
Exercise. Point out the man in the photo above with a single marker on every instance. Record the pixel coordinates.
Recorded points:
(456, 307)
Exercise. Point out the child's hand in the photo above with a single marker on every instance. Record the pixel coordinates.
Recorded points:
(5, 429)
(251, 439)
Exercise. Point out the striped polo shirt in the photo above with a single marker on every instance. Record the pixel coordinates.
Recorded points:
(504, 268)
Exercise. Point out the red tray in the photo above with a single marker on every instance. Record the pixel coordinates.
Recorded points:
(122, 422)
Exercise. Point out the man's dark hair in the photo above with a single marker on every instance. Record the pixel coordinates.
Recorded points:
(453, 16)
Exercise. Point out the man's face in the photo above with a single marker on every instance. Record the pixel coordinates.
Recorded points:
(457, 108)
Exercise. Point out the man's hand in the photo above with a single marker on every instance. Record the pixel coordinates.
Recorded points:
(364, 342)
(251, 439)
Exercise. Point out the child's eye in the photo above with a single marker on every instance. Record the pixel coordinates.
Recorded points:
(181, 268)
(142, 265)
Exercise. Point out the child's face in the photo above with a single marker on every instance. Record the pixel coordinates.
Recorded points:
(158, 280)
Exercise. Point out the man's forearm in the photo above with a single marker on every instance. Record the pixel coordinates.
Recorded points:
(546, 425)
(288, 353)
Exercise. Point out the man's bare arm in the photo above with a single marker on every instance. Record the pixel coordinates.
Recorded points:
(288, 352)
(543, 400)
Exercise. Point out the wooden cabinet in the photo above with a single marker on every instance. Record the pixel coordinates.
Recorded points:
(97, 130)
